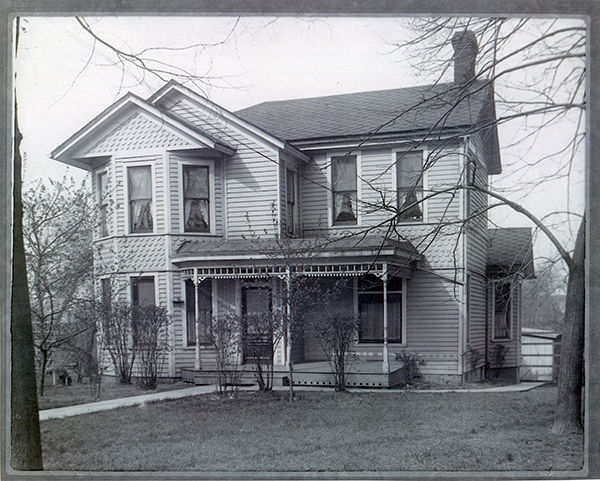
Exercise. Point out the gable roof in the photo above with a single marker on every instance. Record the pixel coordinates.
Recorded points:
(129, 103)
(175, 87)
(510, 251)
(381, 111)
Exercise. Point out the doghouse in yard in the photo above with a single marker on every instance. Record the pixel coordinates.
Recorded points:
(540, 354)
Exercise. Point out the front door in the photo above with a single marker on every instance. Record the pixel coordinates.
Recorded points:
(256, 315)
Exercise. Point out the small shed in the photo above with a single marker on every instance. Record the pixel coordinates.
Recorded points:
(540, 354)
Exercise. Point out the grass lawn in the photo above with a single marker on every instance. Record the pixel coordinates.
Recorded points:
(61, 395)
(322, 431)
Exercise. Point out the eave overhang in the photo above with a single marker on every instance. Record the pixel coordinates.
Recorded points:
(173, 86)
(69, 151)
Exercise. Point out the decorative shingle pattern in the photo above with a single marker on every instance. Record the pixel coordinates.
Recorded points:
(138, 132)
(381, 111)
(510, 250)
(143, 253)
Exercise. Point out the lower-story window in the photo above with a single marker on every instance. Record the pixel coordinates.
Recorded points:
(502, 310)
(370, 309)
(142, 295)
(204, 311)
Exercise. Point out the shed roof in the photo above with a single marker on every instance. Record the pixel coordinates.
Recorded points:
(309, 247)
(510, 251)
(422, 107)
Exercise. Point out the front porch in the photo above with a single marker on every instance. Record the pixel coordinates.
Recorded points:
(368, 374)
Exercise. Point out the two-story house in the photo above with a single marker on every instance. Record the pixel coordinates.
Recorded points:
(381, 185)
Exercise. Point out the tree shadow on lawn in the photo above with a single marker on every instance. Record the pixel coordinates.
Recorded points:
(321, 431)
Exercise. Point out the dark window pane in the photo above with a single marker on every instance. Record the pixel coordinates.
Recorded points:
(290, 185)
(502, 310)
(344, 207)
(195, 181)
(344, 173)
(140, 183)
(196, 213)
(409, 170)
(141, 215)
(143, 291)
(370, 308)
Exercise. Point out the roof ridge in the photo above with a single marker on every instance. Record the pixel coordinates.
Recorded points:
(349, 94)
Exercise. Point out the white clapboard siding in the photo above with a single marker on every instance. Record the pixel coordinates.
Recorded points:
(431, 327)
(227, 303)
(251, 172)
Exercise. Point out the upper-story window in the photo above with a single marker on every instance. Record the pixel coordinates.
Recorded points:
(409, 181)
(103, 202)
(343, 183)
(291, 187)
(140, 199)
(196, 198)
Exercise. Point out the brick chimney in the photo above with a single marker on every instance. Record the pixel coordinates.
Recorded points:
(465, 53)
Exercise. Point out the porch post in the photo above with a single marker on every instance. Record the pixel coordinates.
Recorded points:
(386, 361)
(197, 363)
(289, 328)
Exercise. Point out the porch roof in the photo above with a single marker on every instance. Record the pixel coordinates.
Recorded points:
(311, 255)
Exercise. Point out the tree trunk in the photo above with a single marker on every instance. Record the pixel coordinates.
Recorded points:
(43, 371)
(26, 449)
(570, 376)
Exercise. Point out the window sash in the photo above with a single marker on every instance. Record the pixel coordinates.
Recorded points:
(196, 198)
(142, 294)
(290, 188)
(140, 199)
(103, 203)
(502, 310)
(370, 309)
(344, 189)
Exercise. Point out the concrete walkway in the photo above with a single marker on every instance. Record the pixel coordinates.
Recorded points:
(68, 411)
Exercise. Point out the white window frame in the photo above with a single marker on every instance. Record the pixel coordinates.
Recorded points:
(200, 162)
(404, 313)
(330, 213)
(127, 166)
(394, 171)
(512, 313)
(102, 202)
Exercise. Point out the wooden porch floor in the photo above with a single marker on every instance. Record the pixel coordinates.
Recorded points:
(359, 374)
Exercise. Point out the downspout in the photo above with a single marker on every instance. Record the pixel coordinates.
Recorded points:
(463, 302)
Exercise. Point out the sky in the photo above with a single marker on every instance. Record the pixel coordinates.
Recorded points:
(64, 79)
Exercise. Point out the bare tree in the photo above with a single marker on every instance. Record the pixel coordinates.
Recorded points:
(224, 337)
(539, 81)
(58, 223)
(150, 341)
